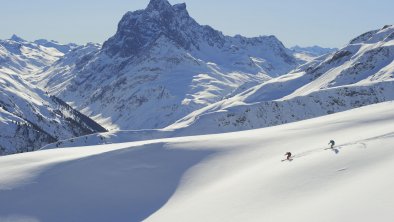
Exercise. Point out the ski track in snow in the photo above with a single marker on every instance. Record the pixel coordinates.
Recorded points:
(344, 145)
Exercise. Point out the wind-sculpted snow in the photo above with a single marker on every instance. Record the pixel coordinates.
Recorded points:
(160, 66)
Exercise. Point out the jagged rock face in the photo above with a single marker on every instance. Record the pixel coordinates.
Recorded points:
(138, 30)
(161, 65)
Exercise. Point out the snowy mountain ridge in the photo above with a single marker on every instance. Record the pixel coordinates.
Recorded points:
(30, 119)
(64, 48)
(359, 74)
(160, 66)
(18, 56)
(310, 53)
(313, 50)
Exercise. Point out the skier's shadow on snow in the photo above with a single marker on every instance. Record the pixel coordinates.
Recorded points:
(335, 150)
(123, 185)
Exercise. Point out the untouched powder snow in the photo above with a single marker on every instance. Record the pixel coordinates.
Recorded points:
(226, 177)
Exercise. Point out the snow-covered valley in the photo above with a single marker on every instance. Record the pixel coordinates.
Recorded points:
(225, 177)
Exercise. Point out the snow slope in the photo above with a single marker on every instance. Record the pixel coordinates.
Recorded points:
(308, 54)
(226, 177)
(18, 56)
(30, 118)
(161, 65)
(359, 74)
(64, 48)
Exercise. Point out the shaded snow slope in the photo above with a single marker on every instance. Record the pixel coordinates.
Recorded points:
(227, 177)
(161, 65)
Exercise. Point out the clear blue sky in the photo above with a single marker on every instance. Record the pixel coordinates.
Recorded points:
(329, 23)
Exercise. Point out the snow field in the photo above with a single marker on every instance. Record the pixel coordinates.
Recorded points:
(226, 177)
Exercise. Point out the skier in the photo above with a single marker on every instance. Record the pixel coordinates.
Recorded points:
(288, 156)
(332, 142)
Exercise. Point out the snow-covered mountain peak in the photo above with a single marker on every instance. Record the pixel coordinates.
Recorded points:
(16, 38)
(138, 30)
(384, 34)
(161, 65)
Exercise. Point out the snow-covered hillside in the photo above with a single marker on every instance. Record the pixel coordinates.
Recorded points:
(30, 119)
(359, 74)
(227, 177)
(307, 54)
(64, 48)
(58, 74)
(330, 83)
(18, 56)
(160, 66)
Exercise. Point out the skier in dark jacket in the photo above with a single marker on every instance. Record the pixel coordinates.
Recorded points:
(332, 143)
(288, 156)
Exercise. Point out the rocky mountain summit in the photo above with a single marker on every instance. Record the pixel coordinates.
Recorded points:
(160, 66)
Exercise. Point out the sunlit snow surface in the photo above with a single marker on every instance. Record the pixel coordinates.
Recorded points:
(225, 177)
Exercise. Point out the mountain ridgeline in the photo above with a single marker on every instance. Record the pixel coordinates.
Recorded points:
(29, 117)
(138, 31)
(162, 74)
(359, 74)
(160, 66)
